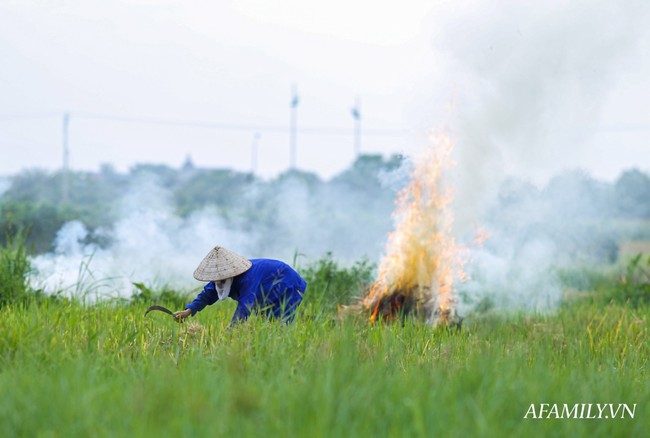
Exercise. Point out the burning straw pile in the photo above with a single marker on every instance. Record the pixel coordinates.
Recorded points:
(422, 260)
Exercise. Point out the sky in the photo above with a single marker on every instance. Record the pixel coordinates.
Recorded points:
(525, 88)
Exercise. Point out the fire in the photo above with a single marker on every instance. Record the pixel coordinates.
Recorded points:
(422, 259)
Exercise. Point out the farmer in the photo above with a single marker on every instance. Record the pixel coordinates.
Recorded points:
(266, 286)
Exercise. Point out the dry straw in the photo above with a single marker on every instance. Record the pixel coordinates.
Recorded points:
(220, 264)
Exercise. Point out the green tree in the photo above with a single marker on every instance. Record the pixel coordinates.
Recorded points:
(632, 191)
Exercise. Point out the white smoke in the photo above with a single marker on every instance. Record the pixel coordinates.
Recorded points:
(523, 281)
(529, 81)
(149, 245)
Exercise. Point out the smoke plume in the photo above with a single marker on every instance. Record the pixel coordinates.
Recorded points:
(294, 218)
(529, 81)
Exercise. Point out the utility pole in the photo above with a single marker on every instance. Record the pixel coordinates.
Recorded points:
(294, 120)
(254, 145)
(356, 113)
(65, 182)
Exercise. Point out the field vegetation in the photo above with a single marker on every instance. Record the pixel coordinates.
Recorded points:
(69, 368)
(73, 367)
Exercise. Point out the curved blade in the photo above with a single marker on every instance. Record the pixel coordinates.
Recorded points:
(160, 308)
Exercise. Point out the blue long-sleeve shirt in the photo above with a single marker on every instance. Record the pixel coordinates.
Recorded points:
(269, 286)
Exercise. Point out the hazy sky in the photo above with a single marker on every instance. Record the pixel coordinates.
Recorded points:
(414, 65)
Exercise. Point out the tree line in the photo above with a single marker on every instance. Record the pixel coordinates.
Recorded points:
(577, 211)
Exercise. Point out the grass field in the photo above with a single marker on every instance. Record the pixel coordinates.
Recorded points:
(104, 370)
(74, 370)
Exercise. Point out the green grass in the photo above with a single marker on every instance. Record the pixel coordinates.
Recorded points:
(105, 370)
(14, 268)
(71, 369)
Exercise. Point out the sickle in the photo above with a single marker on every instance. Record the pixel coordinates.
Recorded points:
(161, 308)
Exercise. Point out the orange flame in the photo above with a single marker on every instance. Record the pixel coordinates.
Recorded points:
(422, 259)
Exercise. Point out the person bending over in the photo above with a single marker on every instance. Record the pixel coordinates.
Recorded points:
(265, 286)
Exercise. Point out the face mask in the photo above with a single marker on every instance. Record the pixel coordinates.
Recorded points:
(223, 288)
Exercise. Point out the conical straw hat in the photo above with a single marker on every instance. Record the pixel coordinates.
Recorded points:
(220, 264)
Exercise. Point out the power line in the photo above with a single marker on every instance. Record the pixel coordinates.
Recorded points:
(261, 128)
(235, 127)
(206, 125)
(31, 116)
(176, 122)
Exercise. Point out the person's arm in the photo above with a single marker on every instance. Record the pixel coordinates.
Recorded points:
(207, 297)
(243, 310)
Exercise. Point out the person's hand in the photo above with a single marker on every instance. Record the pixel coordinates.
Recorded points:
(182, 314)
